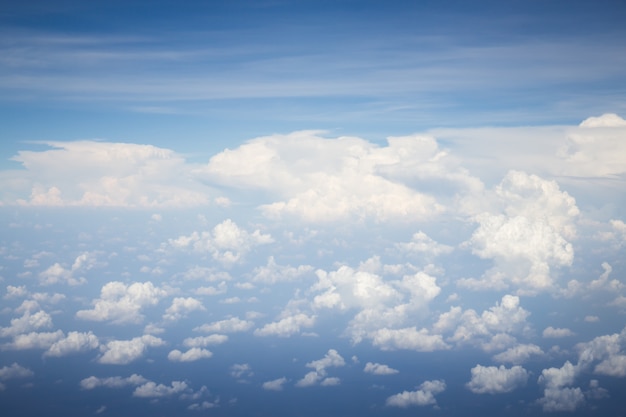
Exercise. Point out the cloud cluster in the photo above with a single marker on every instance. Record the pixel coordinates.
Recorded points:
(319, 375)
(424, 395)
(122, 304)
(496, 380)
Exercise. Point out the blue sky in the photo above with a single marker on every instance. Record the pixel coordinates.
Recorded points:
(312, 208)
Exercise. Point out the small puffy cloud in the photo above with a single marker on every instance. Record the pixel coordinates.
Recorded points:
(518, 354)
(112, 382)
(424, 395)
(34, 340)
(191, 355)
(122, 352)
(408, 338)
(273, 273)
(121, 303)
(153, 390)
(559, 377)
(496, 380)
(227, 243)
(422, 244)
(14, 371)
(73, 342)
(561, 399)
(319, 374)
(275, 385)
(181, 307)
(555, 333)
(28, 322)
(241, 371)
(204, 341)
(232, 325)
(56, 273)
(379, 369)
(286, 326)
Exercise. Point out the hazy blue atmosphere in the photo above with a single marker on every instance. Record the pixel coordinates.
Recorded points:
(312, 208)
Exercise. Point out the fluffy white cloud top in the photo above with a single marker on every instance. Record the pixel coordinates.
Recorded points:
(379, 369)
(121, 303)
(122, 352)
(424, 395)
(496, 380)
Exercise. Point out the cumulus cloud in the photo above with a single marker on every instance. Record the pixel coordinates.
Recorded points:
(204, 341)
(191, 355)
(121, 303)
(14, 371)
(26, 323)
(275, 384)
(286, 326)
(496, 380)
(241, 371)
(153, 390)
(555, 333)
(424, 395)
(231, 325)
(518, 354)
(491, 330)
(122, 352)
(72, 343)
(528, 238)
(227, 242)
(34, 340)
(332, 359)
(379, 369)
(273, 273)
(181, 307)
(596, 148)
(408, 338)
(112, 382)
(111, 174)
(320, 180)
(422, 244)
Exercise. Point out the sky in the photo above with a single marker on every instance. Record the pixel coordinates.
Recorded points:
(312, 208)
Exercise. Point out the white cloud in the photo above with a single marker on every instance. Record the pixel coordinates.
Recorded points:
(332, 359)
(34, 340)
(614, 365)
(112, 382)
(424, 395)
(491, 330)
(241, 371)
(561, 399)
(273, 273)
(122, 352)
(153, 390)
(275, 385)
(181, 307)
(121, 303)
(321, 180)
(231, 325)
(15, 371)
(518, 354)
(408, 338)
(191, 355)
(227, 242)
(73, 342)
(26, 323)
(555, 333)
(111, 174)
(286, 326)
(496, 380)
(422, 244)
(379, 369)
(204, 341)
(527, 236)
